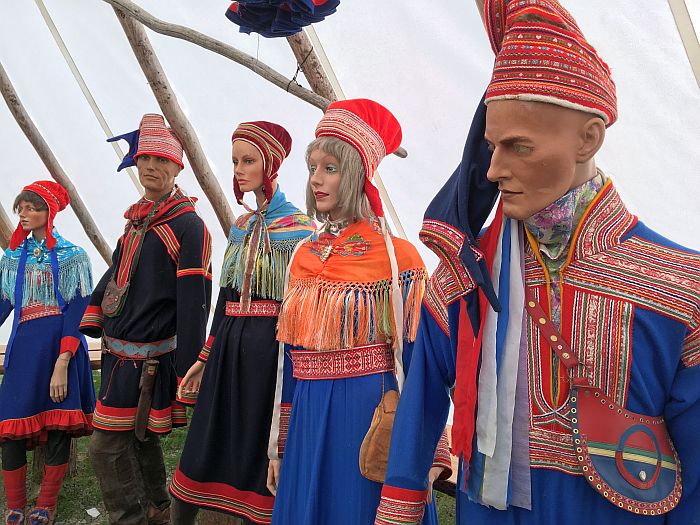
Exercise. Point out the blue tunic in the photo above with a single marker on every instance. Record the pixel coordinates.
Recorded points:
(631, 311)
(40, 332)
(328, 418)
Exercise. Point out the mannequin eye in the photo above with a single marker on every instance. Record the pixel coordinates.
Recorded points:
(519, 148)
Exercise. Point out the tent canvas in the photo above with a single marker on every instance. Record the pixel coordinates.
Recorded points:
(429, 67)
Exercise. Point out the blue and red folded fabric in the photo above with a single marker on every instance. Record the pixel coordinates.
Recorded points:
(278, 18)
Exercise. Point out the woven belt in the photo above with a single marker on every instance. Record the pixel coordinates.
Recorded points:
(133, 350)
(257, 309)
(339, 364)
(36, 311)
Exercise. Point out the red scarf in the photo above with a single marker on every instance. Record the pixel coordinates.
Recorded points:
(136, 214)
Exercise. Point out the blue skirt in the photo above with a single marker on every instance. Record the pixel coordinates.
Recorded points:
(26, 410)
(320, 480)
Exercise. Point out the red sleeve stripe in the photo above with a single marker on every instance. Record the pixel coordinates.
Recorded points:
(194, 271)
(172, 245)
(206, 248)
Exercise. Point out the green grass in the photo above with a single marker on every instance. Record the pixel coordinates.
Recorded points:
(81, 492)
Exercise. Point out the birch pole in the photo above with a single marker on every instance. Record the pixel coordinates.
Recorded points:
(160, 85)
(310, 65)
(220, 48)
(227, 51)
(6, 229)
(53, 166)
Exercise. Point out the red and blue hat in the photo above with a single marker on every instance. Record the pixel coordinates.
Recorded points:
(152, 138)
(542, 56)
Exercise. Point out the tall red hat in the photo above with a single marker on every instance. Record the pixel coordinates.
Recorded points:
(155, 138)
(274, 144)
(56, 198)
(371, 129)
(542, 55)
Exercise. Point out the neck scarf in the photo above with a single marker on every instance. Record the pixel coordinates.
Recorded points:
(74, 277)
(554, 226)
(260, 245)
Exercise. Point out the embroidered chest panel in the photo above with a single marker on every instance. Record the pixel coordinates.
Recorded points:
(355, 245)
(599, 330)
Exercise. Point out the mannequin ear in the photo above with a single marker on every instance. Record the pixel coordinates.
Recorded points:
(592, 135)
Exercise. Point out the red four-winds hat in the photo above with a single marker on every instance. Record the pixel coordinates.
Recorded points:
(56, 198)
(542, 55)
(371, 129)
(155, 138)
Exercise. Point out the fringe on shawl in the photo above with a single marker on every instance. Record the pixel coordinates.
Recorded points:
(268, 269)
(74, 277)
(325, 315)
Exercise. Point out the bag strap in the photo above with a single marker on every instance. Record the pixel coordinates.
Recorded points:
(549, 331)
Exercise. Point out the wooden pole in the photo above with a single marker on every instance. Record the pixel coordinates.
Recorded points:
(168, 103)
(6, 229)
(311, 66)
(85, 90)
(53, 166)
(688, 33)
(220, 48)
(225, 50)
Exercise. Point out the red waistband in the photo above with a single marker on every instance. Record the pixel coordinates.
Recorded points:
(37, 310)
(340, 364)
(257, 309)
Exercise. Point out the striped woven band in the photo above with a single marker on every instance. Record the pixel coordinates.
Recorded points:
(339, 364)
(347, 126)
(257, 309)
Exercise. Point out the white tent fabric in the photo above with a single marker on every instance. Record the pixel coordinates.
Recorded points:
(428, 65)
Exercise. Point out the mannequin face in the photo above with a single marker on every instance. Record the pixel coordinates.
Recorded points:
(324, 179)
(248, 166)
(539, 152)
(31, 219)
(157, 175)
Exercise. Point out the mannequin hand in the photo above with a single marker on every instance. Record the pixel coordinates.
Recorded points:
(58, 387)
(273, 475)
(432, 476)
(192, 380)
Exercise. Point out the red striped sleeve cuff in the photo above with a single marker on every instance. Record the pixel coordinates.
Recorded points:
(93, 321)
(204, 353)
(400, 506)
(442, 456)
(69, 344)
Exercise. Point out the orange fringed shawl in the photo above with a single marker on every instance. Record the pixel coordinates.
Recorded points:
(345, 300)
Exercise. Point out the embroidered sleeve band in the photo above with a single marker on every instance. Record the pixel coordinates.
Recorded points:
(400, 506)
